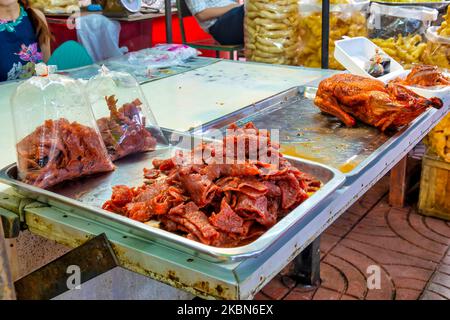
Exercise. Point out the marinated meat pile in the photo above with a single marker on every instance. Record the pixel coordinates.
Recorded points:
(424, 76)
(390, 106)
(124, 130)
(58, 151)
(219, 203)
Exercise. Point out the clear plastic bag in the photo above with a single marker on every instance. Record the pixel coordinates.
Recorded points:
(123, 115)
(57, 137)
(437, 50)
(400, 30)
(387, 21)
(347, 18)
(100, 36)
(271, 31)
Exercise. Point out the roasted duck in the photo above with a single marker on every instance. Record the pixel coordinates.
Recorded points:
(220, 204)
(390, 106)
(425, 76)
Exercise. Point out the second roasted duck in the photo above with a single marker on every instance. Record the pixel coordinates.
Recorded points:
(390, 106)
(425, 76)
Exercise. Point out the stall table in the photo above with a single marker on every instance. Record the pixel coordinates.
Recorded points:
(189, 96)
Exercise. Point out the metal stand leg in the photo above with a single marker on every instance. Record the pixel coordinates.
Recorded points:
(307, 265)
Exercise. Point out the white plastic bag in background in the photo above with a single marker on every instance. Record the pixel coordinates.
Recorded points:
(100, 36)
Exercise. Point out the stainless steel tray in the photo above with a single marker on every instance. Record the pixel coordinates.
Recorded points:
(305, 132)
(84, 197)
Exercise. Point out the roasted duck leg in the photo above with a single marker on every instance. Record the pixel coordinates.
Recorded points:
(391, 106)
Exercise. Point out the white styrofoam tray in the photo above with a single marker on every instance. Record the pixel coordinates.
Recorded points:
(354, 53)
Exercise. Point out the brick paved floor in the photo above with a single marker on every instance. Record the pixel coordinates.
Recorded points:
(412, 252)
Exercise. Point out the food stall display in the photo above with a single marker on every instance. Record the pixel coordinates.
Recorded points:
(271, 31)
(123, 115)
(437, 51)
(400, 30)
(347, 18)
(57, 137)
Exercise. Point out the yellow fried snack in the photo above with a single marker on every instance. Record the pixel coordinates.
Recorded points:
(351, 24)
(444, 29)
(271, 31)
(438, 139)
(436, 54)
(405, 50)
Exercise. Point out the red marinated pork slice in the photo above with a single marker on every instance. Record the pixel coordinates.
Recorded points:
(247, 207)
(138, 211)
(272, 189)
(121, 195)
(227, 220)
(196, 223)
(291, 192)
(200, 188)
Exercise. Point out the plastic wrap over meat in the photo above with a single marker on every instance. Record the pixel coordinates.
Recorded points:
(57, 137)
(215, 198)
(123, 116)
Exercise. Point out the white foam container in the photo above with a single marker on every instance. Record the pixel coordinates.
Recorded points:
(355, 53)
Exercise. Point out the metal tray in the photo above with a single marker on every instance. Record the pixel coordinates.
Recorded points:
(307, 133)
(84, 197)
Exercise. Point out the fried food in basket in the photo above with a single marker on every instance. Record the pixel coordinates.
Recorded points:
(391, 106)
(437, 51)
(424, 76)
(219, 203)
(60, 150)
(405, 50)
(271, 31)
(439, 139)
(352, 24)
(124, 131)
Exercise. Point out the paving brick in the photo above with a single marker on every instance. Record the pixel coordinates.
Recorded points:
(429, 295)
(332, 278)
(301, 294)
(327, 242)
(347, 297)
(438, 226)
(326, 294)
(408, 272)
(418, 223)
(446, 260)
(399, 222)
(396, 244)
(408, 283)
(407, 294)
(377, 231)
(386, 255)
(442, 279)
(443, 291)
(444, 269)
(275, 289)
(360, 208)
(356, 281)
(361, 262)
